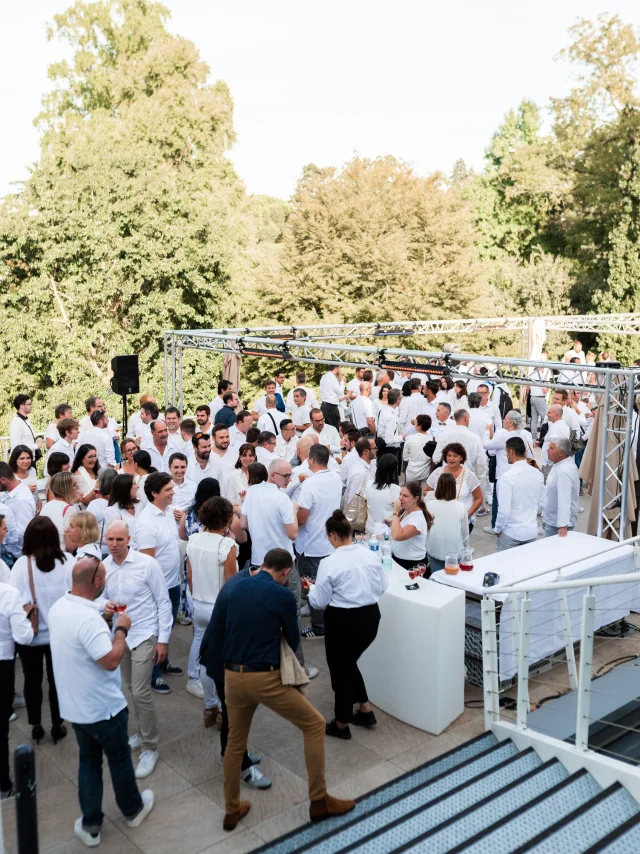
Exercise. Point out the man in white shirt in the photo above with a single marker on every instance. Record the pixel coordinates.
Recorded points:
(136, 580)
(68, 429)
(311, 398)
(187, 432)
(519, 492)
(443, 421)
(575, 421)
(561, 508)
(266, 448)
(320, 495)
(327, 435)
(160, 448)
(382, 377)
(362, 409)
(86, 664)
(18, 498)
(430, 394)
(226, 455)
(238, 432)
(495, 444)
(418, 463)
(203, 417)
(172, 418)
(21, 431)
(476, 455)
(140, 428)
(51, 435)
(332, 395)
(538, 398)
(361, 469)
(92, 404)
(558, 429)
(387, 427)
(260, 406)
(217, 403)
(202, 464)
(410, 407)
(279, 378)
(479, 418)
(349, 454)
(157, 536)
(576, 352)
(354, 385)
(489, 407)
(184, 489)
(271, 418)
(300, 411)
(98, 436)
(286, 442)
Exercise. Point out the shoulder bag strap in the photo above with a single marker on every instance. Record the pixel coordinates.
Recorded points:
(31, 585)
(274, 424)
(461, 482)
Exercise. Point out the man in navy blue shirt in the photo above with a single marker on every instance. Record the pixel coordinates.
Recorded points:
(259, 610)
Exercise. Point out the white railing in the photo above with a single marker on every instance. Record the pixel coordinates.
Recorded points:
(555, 622)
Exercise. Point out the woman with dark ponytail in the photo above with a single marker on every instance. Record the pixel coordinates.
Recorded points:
(348, 585)
(409, 527)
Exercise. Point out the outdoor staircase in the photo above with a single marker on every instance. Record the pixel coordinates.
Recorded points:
(484, 796)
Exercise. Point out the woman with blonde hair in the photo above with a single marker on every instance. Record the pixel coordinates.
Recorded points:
(81, 530)
(62, 495)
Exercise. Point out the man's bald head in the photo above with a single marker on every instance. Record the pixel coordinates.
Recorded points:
(303, 446)
(554, 413)
(118, 540)
(88, 578)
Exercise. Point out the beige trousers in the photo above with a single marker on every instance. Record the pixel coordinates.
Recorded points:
(136, 667)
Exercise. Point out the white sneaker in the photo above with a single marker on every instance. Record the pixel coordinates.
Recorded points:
(488, 529)
(580, 509)
(147, 800)
(135, 742)
(18, 701)
(194, 686)
(255, 779)
(304, 611)
(148, 761)
(311, 672)
(13, 718)
(89, 840)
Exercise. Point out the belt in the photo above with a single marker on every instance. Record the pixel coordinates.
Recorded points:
(243, 668)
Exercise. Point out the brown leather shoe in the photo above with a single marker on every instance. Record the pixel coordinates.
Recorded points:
(328, 806)
(210, 717)
(231, 819)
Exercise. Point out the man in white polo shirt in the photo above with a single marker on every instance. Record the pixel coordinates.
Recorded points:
(271, 418)
(98, 436)
(157, 536)
(320, 495)
(161, 446)
(327, 435)
(354, 385)
(136, 580)
(86, 664)
(286, 443)
(332, 396)
(68, 429)
(202, 464)
(300, 411)
(362, 409)
(311, 398)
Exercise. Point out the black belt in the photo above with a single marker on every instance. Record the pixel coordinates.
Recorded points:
(243, 668)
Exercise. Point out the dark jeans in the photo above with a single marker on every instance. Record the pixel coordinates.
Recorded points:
(174, 595)
(308, 566)
(494, 505)
(110, 737)
(331, 412)
(32, 658)
(224, 729)
(349, 632)
(7, 675)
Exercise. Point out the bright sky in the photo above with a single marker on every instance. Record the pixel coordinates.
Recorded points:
(316, 82)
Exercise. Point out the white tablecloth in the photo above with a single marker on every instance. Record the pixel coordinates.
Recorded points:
(414, 670)
(613, 602)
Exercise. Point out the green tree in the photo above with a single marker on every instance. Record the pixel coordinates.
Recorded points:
(128, 223)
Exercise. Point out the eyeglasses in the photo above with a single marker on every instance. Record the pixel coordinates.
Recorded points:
(285, 476)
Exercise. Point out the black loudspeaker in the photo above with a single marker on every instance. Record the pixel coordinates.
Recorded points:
(126, 376)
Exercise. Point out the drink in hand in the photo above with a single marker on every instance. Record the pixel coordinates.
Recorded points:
(120, 607)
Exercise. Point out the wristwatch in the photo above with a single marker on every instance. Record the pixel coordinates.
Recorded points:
(121, 629)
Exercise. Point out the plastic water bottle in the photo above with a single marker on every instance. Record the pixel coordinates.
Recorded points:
(387, 563)
(374, 546)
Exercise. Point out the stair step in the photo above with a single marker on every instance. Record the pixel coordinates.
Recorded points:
(402, 820)
(305, 836)
(586, 825)
(496, 807)
(622, 840)
(527, 823)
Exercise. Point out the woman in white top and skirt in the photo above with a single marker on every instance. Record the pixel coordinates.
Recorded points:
(449, 531)
(348, 585)
(51, 571)
(211, 559)
(409, 527)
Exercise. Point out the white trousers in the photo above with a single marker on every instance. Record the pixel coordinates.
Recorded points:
(201, 616)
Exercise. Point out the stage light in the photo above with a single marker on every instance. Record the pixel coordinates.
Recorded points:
(434, 370)
(263, 353)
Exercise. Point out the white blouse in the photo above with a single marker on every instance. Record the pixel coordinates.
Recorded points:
(466, 482)
(86, 482)
(48, 586)
(415, 548)
(379, 503)
(237, 482)
(207, 553)
(449, 533)
(351, 577)
(117, 514)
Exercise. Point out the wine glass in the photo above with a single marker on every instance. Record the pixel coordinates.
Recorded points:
(421, 569)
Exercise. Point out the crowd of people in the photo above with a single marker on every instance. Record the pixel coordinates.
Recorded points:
(252, 524)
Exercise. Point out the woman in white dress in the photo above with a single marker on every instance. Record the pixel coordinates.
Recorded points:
(468, 489)
(123, 504)
(382, 492)
(449, 532)
(211, 560)
(22, 465)
(238, 480)
(85, 466)
(62, 497)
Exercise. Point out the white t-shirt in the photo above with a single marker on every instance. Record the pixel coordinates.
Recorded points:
(117, 514)
(59, 513)
(301, 415)
(321, 494)
(158, 530)
(267, 509)
(415, 548)
(79, 637)
(361, 409)
(379, 504)
(207, 554)
(270, 421)
(48, 586)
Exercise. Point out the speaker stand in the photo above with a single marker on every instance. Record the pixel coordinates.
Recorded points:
(125, 424)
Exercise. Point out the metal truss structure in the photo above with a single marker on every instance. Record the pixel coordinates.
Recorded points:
(615, 386)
